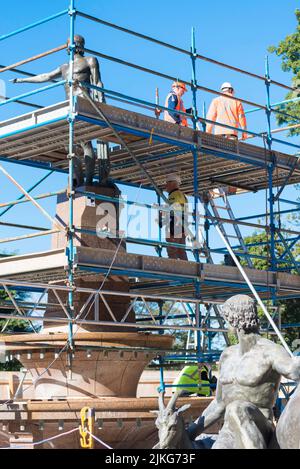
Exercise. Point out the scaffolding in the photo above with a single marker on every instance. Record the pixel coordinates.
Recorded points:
(144, 151)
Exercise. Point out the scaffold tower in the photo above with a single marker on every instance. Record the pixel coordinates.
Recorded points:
(83, 288)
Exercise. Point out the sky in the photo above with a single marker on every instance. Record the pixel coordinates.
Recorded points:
(238, 33)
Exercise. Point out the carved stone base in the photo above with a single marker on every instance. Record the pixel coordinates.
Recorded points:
(103, 364)
(90, 215)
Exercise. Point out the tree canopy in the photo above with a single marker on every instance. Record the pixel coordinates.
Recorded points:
(12, 325)
(289, 51)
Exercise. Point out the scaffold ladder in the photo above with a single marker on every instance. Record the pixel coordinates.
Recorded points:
(224, 205)
(191, 343)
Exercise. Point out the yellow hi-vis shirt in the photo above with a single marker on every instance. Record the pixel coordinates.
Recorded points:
(177, 201)
(191, 374)
(177, 197)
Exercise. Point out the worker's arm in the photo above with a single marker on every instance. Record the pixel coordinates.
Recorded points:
(242, 120)
(172, 103)
(211, 116)
(42, 78)
(96, 79)
(210, 416)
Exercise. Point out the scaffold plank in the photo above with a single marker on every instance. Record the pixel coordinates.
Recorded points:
(42, 137)
(156, 276)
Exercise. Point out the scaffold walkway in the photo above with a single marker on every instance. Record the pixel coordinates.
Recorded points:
(155, 275)
(40, 138)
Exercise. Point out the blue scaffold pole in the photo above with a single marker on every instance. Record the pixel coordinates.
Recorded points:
(196, 189)
(34, 25)
(71, 155)
(270, 165)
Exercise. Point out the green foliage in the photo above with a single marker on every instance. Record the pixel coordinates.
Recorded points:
(13, 365)
(289, 51)
(180, 335)
(14, 325)
(291, 315)
(233, 338)
(264, 250)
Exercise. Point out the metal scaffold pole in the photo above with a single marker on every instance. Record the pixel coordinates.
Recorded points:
(270, 165)
(196, 188)
(204, 116)
(159, 248)
(71, 155)
(162, 387)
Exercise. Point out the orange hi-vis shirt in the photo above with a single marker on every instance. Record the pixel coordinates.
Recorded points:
(226, 111)
(174, 102)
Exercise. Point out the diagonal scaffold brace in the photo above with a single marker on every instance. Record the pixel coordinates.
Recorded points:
(126, 147)
(55, 223)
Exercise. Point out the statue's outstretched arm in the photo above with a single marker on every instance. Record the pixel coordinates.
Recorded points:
(43, 77)
(287, 366)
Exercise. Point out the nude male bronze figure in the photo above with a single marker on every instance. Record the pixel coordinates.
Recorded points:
(86, 69)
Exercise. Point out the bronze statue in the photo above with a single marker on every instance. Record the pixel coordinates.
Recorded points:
(249, 378)
(86, 69)
(288, 426)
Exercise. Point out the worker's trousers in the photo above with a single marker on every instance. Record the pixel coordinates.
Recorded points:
(177, 252)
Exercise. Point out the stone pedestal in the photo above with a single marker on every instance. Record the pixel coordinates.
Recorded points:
(91, 215)
(94, 373)
(21, 440)
(122, 423)
(104, 364)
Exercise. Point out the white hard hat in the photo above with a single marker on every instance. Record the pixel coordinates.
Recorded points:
(226, 85)
(173, 178)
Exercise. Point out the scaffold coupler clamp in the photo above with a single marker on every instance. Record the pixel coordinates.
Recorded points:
(86, 429)
(70, 156)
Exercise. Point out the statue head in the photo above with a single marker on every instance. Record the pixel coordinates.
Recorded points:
(79, 44)
(240, 312)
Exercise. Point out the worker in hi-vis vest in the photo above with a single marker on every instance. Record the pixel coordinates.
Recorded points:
(226, 111)
(193, 375)
(174, 103)
(176, 218)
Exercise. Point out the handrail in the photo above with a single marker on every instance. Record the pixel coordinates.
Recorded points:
(171, 77)
(177, 49)
(36, 91)
(33, 25)
(24, 103)
(280, 103)
(159, 106)
(189, 116)
(31, 59)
